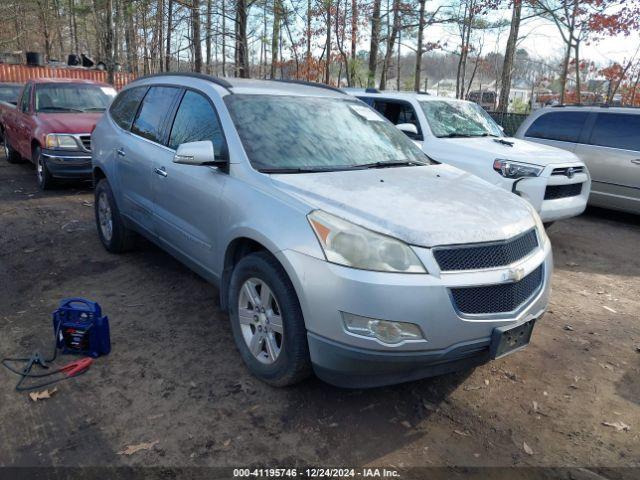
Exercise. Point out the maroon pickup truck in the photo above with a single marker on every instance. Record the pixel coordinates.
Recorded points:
(51, 125)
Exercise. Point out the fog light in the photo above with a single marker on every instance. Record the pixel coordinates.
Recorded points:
(384, 330)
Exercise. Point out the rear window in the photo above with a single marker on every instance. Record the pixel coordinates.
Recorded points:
(617, 130)
(153, 113)
(125, 106)
(561, 126)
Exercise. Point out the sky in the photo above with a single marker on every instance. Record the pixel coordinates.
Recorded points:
(541, 39)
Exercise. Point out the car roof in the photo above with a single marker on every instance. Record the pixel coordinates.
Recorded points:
(68, 80)
(589, 108)
(249, 86)
(423, 97)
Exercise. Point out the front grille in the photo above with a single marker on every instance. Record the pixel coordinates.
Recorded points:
(86, 142)
(502, 298)
(472, 257)
(562, 191)
(565, 171)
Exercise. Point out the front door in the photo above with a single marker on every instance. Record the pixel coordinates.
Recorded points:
(187, 196)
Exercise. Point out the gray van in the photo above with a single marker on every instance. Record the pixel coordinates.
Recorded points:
(606, 139)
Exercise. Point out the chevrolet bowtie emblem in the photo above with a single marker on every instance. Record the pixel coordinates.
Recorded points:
(515, 274)
(571, 172)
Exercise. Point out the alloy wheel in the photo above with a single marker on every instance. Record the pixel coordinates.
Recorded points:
(260, 320)
(105, 217)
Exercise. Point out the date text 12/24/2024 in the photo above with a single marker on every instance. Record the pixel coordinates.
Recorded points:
(315, 472)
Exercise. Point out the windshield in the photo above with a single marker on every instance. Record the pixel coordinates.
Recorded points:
(459, 119)
(317, 133)
(73, 98)
(9, 93)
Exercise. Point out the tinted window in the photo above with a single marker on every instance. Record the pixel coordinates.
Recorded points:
(196, 120)
(125, 106)
(617, 130)
(562, 126)
(397, 112)
(24, 102)
(9, 93)
(69, 97)
(154, 111)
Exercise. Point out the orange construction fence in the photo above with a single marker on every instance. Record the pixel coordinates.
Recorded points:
(22, 73)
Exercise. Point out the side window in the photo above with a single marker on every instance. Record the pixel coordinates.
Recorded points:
(196, 120)
(154, 111)
(26, 96)
(617, 130)
(125, 106)
(562, 126)
(397, 112)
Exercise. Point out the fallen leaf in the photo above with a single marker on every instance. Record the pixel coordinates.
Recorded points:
(527, 448)
(477, 455)
(131, 449)
(535, 406)
(471, 387)
(35, 396)
(227, 442)
(609, 309)
(619, 426)
(405, 424)
(461, 433)
(486, 381)
(569, 328)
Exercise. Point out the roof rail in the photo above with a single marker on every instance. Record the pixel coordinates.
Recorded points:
(309, 84)
(202, 76)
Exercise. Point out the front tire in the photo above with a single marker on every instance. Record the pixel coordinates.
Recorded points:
(267, 322)
(43, 176)
(114, 235)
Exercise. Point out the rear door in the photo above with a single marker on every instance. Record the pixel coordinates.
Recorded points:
(18, 129)
(187, 196)
(137, 153)
(560, 128)
(612, 155)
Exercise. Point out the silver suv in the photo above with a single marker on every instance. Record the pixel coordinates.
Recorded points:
(606, 139)
(336, 244)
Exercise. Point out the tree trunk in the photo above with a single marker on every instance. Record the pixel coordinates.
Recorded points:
(197, 40)
(208, 33)
(374, 44)
(390, 44)
(418, 67)
(507, 65)
(275, 36)
(576, 48)
(224, 39)
(130, 40)
(354, 40)
(167, 54)
(327, 67)
(43, 13)
(564, 72)
(242, 59)
(108, 44)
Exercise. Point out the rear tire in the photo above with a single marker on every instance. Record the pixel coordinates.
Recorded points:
(114, 235)
(10, 154)
(43, 176)
(273, 321)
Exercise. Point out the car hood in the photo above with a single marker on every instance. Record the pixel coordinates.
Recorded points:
(68, 122)
(488, 147)
(423, 206)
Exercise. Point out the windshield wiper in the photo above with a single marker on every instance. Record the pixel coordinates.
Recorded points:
(389, 164)
(299, 169)
(466, 135)
(94, 109)
(60, 109)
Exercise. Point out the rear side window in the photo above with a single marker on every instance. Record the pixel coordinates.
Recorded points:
(125, 106)
(617, 130)
(196, 120)
(561, 126)
(153, 113)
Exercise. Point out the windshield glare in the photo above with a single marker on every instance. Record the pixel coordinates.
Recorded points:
(73, 98)
(464, 119)
(291, 132)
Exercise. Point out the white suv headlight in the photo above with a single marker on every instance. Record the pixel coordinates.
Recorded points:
(348, 244)
(511, 169)
(56, 141)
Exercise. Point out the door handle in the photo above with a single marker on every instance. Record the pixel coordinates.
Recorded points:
(161, 171)
(121, 153)
(636, 161)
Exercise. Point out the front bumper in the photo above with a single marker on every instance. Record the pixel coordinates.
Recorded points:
(68, 165)
(533, 190)
(452, 340)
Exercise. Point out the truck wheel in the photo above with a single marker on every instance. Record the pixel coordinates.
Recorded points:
(45, 180)
(114, 235)
(267, 323)
(10, 154)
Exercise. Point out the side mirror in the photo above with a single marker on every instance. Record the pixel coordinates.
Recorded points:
(409, 129)
(197, 153)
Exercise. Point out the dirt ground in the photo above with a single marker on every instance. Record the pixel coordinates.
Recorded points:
(174, 375)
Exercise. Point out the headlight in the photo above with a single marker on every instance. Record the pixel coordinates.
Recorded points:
(58, 141)
(353, 246)
(511, 169)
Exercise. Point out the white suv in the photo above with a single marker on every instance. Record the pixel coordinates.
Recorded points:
(462, 134)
